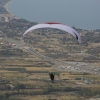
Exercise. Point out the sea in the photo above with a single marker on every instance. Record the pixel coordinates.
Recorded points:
(82, 14)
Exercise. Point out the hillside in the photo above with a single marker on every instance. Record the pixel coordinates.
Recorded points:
(25, 64)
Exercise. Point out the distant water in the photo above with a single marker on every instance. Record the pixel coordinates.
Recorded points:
(84, 14)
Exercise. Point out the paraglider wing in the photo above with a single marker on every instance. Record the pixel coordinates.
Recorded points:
(56, 26)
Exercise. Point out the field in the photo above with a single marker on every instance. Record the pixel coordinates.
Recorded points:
(26, 63)
(25, 68)
(30, 78)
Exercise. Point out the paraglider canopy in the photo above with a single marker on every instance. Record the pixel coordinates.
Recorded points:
(56, 25)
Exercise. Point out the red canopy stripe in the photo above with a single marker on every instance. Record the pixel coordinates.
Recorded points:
(52, 23)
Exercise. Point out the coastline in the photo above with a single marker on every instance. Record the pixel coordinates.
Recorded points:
(6, 7)
(94, 23)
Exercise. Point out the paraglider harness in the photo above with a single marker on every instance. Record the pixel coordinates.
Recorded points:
(52, 75)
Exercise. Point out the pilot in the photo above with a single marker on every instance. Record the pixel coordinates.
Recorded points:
(52, 76)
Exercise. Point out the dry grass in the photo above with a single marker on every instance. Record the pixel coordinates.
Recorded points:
(56, 96)
(94, 45)
(39, 69)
